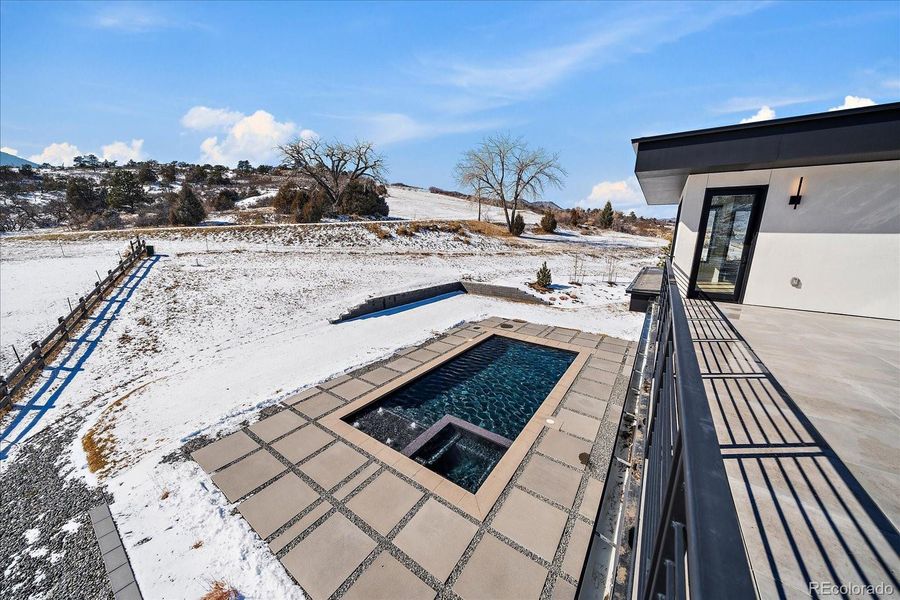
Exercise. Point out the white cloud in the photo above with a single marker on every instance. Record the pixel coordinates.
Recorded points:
(853, 102)
(255, 137)
(893, 84)
(744, 103)
(131, 17)
(9, 150)
(203, 118)
(58, 153)
(122, 152)
(625, 195)
(763, 114)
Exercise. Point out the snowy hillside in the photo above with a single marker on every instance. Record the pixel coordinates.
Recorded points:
(407, 203)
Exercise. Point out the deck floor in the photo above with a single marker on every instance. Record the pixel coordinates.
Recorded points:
(807, 424)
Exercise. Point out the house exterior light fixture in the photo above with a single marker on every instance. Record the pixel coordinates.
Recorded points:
(795, 200)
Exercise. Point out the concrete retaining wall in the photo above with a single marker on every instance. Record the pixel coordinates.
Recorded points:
(373, 305)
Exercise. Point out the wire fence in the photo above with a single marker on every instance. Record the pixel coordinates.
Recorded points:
(34, 361)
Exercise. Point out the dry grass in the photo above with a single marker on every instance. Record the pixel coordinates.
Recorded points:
(98, 444)
(221, 591)
(164, 495)
(489, 229)
(197, 544)
(380, 232)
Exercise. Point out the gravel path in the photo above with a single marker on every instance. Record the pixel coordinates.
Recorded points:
(47, 545)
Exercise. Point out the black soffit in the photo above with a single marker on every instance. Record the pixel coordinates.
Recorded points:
(866, 134)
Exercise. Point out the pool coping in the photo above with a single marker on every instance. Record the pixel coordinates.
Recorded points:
(480, 503)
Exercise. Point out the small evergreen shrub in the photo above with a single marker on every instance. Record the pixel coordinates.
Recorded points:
(544, 278)
(518, 225)
(548, 222)
(187, 208)
(224, 200)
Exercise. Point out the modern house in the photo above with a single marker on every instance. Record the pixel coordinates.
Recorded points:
(763, 422)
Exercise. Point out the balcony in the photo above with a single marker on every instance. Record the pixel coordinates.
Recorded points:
(765, 456)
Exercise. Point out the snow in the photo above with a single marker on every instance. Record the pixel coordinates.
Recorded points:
(32, 535)
(230, 320)
(254, 200)
(414, 204)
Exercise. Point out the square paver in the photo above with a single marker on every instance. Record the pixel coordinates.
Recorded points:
(599, 375)
(357, 480)
(585, 404)
(564, 447)
(387, 579)
(333, 465)
(351, 389)
(580, 425)
(604, 365)
(316, 406)
(499, 572)
(276, 504)
(594, 389)
(584, 343)
(221, 452)
(455, 340)
(577, 549)
(277, 425)
(384, 501)
(440, 347)
(333, 382)
(562, 590)
(303, 442)
(590, 501)
(288, 535)
(530, 522)
(434, 521)
(247, 474)
(468, 333)
(423, 355)
(294, 399)
(380, 375)
(326, 557)
(551, 480)
(614, 357)
(402, 364)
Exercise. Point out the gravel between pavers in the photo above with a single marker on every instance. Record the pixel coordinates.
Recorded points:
(37, 495)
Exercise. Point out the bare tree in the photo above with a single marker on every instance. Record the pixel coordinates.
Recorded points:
(334, 165)
(507, 169)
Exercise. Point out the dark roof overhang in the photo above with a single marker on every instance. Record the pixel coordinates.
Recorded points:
(867, 134)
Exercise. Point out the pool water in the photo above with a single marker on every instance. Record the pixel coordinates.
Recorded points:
(497, 385)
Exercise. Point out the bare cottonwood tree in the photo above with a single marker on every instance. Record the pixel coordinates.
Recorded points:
(507, 169)
(333, 165)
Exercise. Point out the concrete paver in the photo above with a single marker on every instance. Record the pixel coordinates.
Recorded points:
(247, 474)
(530, 522)
(498, 572)
(434, 521)
(276, 504)
(303, 442)
(333, 465)
(387, 579)
(384, 501)
(221, 452)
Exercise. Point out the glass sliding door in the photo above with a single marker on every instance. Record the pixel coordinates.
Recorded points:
(727, 229)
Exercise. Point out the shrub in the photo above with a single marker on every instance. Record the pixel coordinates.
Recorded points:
(168, 173)
(109, 219)
(605, 220)
(362, 197)
(310, 211)
(544, 278)
(196, 174)
(380, 232)
(224, 200)
(186, 208)
(82, 197)
(146, 174)
(518, 225)
(285, 198)
(156, 213)
(548, 222)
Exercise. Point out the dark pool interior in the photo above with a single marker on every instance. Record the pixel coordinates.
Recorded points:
(497, 385)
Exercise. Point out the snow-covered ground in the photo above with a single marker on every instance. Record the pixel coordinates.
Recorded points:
(229, 321)
(408, 203)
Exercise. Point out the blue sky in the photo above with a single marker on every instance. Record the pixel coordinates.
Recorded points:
(220, 82)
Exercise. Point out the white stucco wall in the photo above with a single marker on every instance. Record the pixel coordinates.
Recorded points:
(842, 242)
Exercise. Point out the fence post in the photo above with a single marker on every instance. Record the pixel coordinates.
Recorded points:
(40, 358)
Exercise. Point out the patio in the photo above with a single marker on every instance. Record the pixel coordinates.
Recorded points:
(805, 406)
(350, 517)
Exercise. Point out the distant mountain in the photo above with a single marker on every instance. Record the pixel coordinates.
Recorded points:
(11, 160)
(544, 205)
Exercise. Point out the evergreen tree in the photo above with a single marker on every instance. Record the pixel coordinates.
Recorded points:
(544, 278)
(244, 166)
(125, 191)
(196, 174)
(82, 198)
(606, 216)
(518, 225)
(146, 174)
(548, 222)
(186, 209)
(168, 173)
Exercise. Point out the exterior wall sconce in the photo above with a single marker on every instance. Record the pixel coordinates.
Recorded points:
(795, 200)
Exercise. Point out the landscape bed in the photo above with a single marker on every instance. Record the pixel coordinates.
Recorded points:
(459, 418)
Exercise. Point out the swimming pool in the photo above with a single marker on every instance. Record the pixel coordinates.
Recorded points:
(459, 418)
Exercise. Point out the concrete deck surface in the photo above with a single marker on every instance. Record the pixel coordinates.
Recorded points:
(806, 408)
